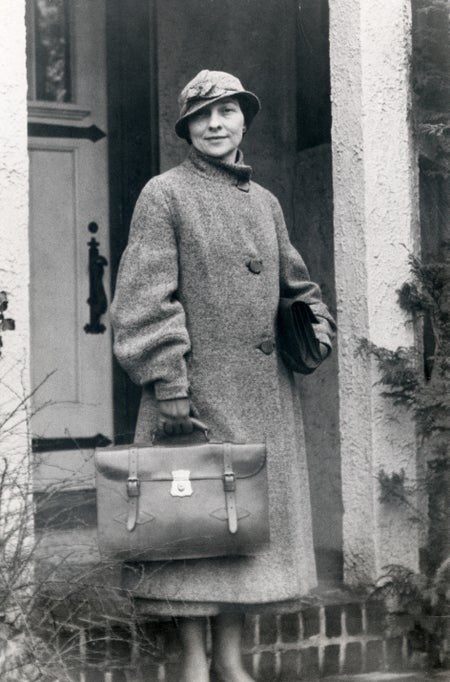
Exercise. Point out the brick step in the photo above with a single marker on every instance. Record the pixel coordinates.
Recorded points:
(337, 633)
(391, 677)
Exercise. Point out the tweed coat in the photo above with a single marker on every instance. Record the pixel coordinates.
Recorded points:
(194, 315)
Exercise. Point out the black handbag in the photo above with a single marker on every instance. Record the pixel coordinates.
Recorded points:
(298, 344)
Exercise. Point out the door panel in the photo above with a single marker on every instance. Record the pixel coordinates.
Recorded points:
(54, 300)
(71, 369)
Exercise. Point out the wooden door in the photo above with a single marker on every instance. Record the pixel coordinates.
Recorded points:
(71, 360)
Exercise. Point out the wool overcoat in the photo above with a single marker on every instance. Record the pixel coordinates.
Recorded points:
(194, 315)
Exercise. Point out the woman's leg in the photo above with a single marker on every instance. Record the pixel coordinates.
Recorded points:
(193, 640)
(227, 640)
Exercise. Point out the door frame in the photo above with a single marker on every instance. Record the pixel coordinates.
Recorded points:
(133, 145)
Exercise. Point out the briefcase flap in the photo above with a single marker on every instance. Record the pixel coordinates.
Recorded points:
(204, 461)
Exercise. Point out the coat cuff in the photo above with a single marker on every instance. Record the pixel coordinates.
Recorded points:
(165, 390)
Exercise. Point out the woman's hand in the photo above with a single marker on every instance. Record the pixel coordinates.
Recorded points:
(174, 416)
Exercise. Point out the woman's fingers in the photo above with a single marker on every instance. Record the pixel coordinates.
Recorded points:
(175, 417)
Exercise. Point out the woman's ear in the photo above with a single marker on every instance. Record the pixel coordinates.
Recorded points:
(244, 129)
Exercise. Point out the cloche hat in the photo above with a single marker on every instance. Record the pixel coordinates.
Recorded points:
(208, 87)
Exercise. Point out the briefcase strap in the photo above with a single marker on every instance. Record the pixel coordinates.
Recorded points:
(133, 489)
(229, 486)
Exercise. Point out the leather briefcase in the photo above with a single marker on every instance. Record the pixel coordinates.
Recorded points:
(159, 502)
(298, 344)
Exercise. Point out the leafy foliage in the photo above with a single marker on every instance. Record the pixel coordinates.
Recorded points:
(402, 370)
(431, 84)
(407, 587)
(392, 486)
(428, 295)
(426, 395)
(415, 605)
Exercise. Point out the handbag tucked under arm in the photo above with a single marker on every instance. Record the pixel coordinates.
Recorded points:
(295, 283)
(304, 320)
(298, 344)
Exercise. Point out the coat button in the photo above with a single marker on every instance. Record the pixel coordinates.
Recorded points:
(255, 266)
(267, 347)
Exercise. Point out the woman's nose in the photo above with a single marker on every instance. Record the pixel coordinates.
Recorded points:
(214, 120)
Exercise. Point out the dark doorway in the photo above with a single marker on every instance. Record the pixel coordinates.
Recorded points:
(133, 149)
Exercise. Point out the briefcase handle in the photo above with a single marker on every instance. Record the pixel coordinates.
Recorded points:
(196, 423)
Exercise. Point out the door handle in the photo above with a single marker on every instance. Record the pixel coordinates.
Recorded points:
(97, 301)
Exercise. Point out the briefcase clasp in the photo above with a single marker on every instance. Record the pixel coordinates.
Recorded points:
(181, 484)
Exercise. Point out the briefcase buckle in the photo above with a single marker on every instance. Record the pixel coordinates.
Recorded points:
(229, 482)
(181, 484)
(133, 487)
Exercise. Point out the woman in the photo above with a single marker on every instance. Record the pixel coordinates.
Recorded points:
(194, 316)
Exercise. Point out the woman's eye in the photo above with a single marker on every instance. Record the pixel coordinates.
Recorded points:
(199, 115)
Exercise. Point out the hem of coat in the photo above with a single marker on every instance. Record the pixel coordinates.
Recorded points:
(171, 609)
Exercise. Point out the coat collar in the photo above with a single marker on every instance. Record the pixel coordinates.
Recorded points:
(237, 173)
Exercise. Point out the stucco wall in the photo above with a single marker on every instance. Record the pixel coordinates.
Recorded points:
(14, 276)
(375, 203)
(257, 41)
(14, 266)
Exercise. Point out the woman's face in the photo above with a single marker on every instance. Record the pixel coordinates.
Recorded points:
(217, 130)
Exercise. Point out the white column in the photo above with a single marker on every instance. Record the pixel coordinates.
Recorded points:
(375, 214)
(14, 266)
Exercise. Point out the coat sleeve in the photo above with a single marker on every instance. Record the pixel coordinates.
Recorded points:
(296, 283)
(151, 338)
